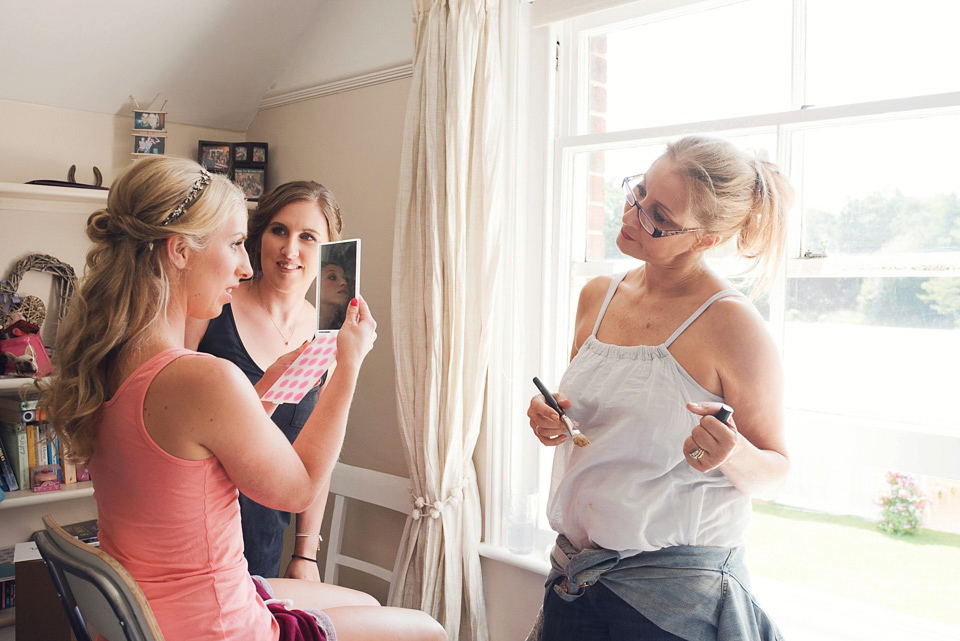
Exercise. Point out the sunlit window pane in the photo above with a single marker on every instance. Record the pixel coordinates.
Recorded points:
(724, 62)
(885, 187)
(873, 348)
(860, 50)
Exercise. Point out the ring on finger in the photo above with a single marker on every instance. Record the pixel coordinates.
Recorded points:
(536, 430)
(697, 454)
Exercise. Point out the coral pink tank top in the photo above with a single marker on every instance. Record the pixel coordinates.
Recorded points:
(173, 524)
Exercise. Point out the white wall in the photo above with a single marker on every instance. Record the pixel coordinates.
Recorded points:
(349, 38)
(40, 142)
(350, 142)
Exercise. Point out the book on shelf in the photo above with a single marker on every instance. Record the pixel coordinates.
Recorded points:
(31, 444)
(86, 531)
(8, 480)
(34, 444)
(43, 445)
(69, 468)
(7, 587)
(6, 563)
(8, 593)
(14, 439)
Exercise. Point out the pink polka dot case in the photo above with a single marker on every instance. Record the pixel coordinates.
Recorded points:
(306, 371)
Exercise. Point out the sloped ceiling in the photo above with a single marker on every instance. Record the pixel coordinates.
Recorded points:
(210, 61)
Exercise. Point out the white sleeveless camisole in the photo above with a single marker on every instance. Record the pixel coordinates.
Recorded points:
(631, 490)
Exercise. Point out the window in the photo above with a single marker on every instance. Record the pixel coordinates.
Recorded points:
(857, 101)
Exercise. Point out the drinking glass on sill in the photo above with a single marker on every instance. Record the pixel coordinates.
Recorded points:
(521, 522)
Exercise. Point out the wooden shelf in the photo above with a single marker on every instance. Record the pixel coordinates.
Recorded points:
(23, 498)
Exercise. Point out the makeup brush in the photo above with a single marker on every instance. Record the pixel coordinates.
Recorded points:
(578, 439)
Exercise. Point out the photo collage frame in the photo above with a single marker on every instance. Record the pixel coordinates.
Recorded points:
(149, 132)
(245, 163)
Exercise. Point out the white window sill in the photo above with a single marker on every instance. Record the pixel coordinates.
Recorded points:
(535, 562)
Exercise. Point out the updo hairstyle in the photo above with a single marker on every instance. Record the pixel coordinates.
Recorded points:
(125, 287)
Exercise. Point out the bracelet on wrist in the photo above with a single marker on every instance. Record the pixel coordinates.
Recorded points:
(319, 538)
(305, 558)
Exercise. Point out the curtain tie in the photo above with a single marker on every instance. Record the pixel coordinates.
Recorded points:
(423, 508)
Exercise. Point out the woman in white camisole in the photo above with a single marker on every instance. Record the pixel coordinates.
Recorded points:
(653, 513)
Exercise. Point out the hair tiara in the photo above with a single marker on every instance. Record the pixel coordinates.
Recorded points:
(192, 195)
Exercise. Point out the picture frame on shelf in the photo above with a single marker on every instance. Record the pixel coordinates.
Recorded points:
(258, 152)
(148, 145)
(216, 157)
(241, 152)
(149, 121)
(252, 180)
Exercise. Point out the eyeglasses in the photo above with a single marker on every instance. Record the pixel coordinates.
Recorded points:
(631, 183)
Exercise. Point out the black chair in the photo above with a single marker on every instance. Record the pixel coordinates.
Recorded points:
(95, 589)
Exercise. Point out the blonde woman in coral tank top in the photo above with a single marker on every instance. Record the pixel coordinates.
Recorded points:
(172, 435)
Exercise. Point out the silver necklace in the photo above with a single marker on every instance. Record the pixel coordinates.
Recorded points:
(286, 340)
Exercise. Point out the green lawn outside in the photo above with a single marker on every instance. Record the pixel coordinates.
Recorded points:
(850, 557)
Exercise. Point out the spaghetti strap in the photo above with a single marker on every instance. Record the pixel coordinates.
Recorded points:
(724, 293)
(614, 283)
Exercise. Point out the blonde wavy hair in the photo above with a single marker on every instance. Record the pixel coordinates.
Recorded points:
(125, 288)
(733, 193)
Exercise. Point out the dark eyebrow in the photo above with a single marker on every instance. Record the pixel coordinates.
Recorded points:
(309, 230)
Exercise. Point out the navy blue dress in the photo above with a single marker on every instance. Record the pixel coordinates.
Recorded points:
(262, 526)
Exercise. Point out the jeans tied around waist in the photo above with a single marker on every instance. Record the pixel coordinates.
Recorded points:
(699, 593)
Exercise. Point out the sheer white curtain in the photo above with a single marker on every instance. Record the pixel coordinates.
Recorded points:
(445, 270)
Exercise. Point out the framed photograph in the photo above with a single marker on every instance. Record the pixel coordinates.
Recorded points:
(149, 120)
(215, 156)
(148, 145)
(338, 282)
(258, 152)
(241, 152)
(252, 180)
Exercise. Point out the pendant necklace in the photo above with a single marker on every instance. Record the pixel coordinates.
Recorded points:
(286, 340)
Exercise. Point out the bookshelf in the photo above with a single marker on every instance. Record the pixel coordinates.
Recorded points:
(21, 511)
(38, 219)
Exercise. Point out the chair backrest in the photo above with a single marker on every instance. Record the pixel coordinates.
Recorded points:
(95, 588)
(349, 483)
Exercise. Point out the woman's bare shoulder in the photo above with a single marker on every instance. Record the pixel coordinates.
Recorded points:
(739, 332)
(737, 311)
(203, 377)
(588, 307)
(594, 291)
(192, 400)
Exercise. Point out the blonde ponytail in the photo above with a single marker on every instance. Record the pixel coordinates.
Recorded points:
(735, 194)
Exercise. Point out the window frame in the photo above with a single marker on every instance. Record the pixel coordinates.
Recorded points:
(544, 234)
